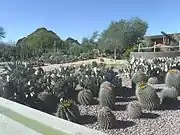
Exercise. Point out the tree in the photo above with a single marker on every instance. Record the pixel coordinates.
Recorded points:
(2, 33)
(122, 34)
(43, 40)
(75, 50)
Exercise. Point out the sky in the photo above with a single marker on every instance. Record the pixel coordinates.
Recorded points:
(80, 18)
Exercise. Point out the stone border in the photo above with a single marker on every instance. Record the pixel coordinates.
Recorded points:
(52, 121)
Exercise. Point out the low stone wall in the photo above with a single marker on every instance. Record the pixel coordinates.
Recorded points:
(51, 121)
(154, 54)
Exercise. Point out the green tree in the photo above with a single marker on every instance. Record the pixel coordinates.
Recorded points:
(122, 34)
(2, 33)
(75, 50)
(43, 40)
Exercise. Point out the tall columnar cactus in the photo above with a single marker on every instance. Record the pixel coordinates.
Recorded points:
(68, 110)
(106, 118)
(134, 110)
(147, 96)
(172, 79)
(153, 80)
(107, 95)
(85, 97)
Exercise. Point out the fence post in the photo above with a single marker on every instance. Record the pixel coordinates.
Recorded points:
(179, 45)
(139, 47)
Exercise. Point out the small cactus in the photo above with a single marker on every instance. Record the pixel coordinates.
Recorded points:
(153, 80)
(85, 97)
(106, 118)
(172, 79)
(68, 110)
(107, 95)
(134, 110)
(147, 96)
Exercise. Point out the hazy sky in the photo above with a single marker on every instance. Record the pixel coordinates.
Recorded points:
(79, 18)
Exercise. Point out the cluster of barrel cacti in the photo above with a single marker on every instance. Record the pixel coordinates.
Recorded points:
(147, 97)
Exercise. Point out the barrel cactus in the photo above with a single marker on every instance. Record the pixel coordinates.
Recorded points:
(85, 97)
(68, 110)
(153, 80)
(106, 118)
(168, 94)
(139, 77)
(172, 79)
(107, 95)
(134, 110)
(49, 102)
(147, 96)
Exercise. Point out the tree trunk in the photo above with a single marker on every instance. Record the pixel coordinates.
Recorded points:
(115, 54)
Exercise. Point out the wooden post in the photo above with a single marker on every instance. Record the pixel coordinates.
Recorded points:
(179, 45)
(139, 47)
(154, 46)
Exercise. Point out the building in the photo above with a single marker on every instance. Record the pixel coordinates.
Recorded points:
(165, 39)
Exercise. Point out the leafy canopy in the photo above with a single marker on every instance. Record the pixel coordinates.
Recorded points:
(123, 34)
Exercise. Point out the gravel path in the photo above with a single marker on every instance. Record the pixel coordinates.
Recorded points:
(11, 127)
(156, 122)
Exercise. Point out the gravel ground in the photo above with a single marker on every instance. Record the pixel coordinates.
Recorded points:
(156, 122)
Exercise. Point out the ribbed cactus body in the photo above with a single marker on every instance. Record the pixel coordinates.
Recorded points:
(172, 79)
(68, 110)
(134, 110)
(106, 118)
(169, 93)
(107, 95)
(153, 80)
(147, 96)
(85, 97)
(139, 77)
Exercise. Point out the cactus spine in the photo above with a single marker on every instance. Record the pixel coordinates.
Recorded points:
(134, 110)
(68, 110)
(106, 118)
(107, 95)
(172, 79)
(85, 97)
(147, 96)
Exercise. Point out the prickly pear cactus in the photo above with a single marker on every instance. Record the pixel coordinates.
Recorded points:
(147, 96)
(85, 97)
(172, 79)
(153, 80)
(106, 118)
(107, 95)
(134, 110)
(68, 110)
